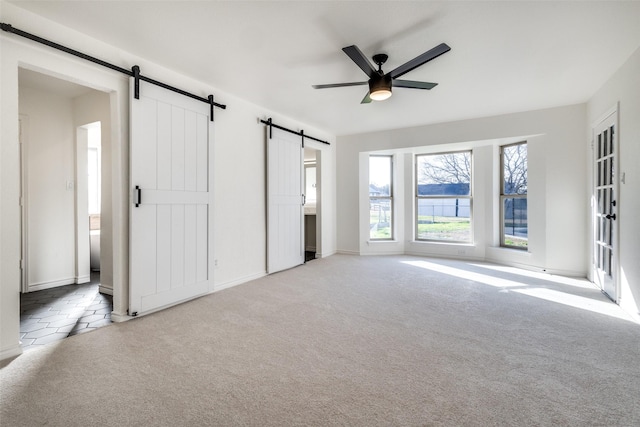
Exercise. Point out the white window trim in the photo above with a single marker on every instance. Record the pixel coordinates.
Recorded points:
(416, 239)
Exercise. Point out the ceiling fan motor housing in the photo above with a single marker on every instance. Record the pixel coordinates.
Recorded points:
(380, 87)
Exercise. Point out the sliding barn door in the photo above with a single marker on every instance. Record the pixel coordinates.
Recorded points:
(171, 210)
(285, 212)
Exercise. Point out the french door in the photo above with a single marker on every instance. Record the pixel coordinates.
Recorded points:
(171, 203)
(605, 192)
(285, 201)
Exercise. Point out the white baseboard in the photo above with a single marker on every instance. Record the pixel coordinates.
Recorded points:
(11, 352)
(105, 290)
(83, 279)
(220, 286)
(324, 254)
(538, 269)
(52, 284)
(445, 256)
(119, 317)
(345, 252)
(628, 305)
(383, 253)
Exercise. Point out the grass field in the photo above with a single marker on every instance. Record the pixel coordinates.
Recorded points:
(444, 228)
(436, 228)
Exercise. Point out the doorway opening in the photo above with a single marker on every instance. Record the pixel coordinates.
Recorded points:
(311, 205)
(62, 150)
(88, 195)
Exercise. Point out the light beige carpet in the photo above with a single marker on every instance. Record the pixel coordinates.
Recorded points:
(354, 341)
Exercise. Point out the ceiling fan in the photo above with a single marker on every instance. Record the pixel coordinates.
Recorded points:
(380, 84)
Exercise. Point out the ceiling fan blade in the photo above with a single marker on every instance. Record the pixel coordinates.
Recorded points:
(361, 61)
(420, 60)
(411, 84)
(339, 85)
(366, 99)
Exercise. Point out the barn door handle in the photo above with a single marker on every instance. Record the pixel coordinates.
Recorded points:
(138, 199)
(611, 216)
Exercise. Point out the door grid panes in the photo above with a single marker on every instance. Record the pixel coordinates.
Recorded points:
(606, 202)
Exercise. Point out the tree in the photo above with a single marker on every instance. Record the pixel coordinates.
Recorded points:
(514, 163)
(454, 168)
(451, 168)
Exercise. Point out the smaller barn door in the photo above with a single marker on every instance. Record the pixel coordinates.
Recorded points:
(285, 201)
(170, 223)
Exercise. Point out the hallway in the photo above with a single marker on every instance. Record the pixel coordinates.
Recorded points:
(57, 313)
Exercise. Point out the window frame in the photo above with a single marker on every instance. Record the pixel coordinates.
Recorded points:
(417, 198)
(391, 158)
(504, 196)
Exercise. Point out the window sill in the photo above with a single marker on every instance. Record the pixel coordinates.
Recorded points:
(442, 243)
(507, 248)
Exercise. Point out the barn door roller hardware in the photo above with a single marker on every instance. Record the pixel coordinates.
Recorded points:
(271, 125)
(134, 72)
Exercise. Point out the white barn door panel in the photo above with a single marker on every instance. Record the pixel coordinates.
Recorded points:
(171, 209)
(285, 199)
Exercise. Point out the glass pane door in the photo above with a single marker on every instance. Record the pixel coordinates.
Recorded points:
(605, 208)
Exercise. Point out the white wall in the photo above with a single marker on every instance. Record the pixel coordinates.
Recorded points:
(623, 89)
(240, 174)
(89, 108)
(83, 247)
(239, 163)
(49, 178)
(558, 205)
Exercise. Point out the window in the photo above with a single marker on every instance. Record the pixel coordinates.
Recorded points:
(310, 184)
(513, 196)
(443, 197)
(380, 197)
(93, 167)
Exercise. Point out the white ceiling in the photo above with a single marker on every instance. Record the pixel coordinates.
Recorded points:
(506, 56)
(49, 84)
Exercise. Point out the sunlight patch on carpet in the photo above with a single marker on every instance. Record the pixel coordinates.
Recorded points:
(602, 306)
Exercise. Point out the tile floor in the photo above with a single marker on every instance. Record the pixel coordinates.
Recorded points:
(57, 313)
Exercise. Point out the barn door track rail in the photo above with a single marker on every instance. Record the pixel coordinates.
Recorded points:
(134, 72)
(271, 125)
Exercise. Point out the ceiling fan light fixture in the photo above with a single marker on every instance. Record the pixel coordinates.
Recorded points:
(380, 94)
(380, 88)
